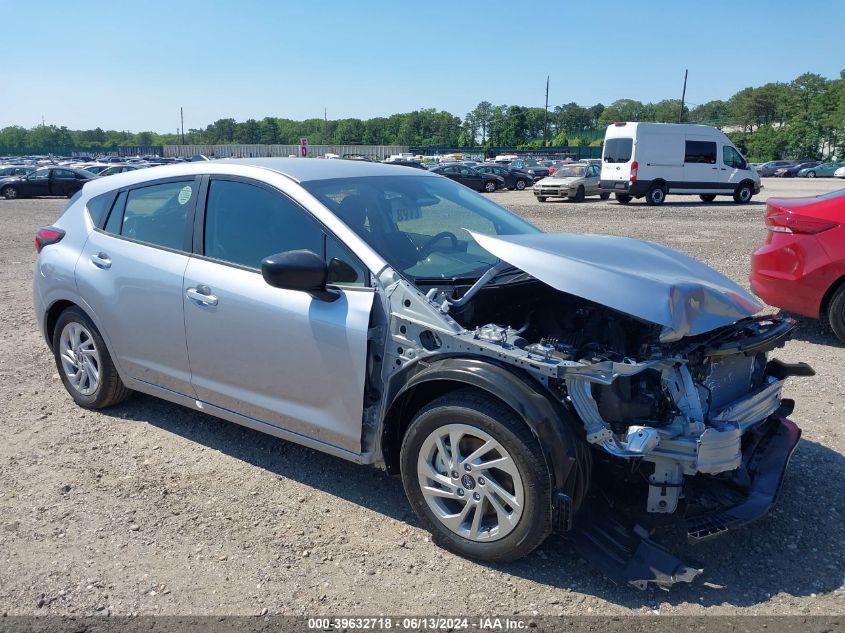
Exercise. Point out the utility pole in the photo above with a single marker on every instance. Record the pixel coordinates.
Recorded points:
(182, 117)
(683, 97)
(546, 113)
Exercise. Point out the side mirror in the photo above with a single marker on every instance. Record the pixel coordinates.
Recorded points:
(298, 270)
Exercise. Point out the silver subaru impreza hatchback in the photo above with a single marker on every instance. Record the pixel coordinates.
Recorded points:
(520, 382)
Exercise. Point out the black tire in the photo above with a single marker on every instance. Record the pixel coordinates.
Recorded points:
(656, 195)
(490, 186)
(541, 198)
(604, 195)
(9, 192)
(836, 313)
(743, 193)
(622, 198)
(579, 194)
(110, 390)
(494, 418)
(811, 174)
(520, 185)
(707, 197)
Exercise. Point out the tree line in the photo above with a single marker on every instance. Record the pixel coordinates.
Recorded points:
(803, 118)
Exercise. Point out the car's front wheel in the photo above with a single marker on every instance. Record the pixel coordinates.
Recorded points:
(9, 192)
(490, 186)
(520, 184)
(84, 363)
(541, 198)
(743, 194)
(579, 194)
(476, 478)
(811, 174)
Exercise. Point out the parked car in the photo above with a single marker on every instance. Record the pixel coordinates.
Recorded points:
(652, 160)
(514, 178)
(533, 167)
(792, 170)
(368, 312)
(15, 170)
(769, 169)
(470, 177)
(407, 163)
(560, 163)
(574, 181)
(822, 170)
(97, 169)
(45, 181)
(118, 169)
(839, 173)
(801, 266)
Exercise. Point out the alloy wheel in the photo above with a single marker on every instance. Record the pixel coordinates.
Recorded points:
(470, 482)
(80, 358)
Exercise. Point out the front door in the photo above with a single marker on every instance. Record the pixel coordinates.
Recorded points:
(734, 168)
(37, 183)
(279, 356)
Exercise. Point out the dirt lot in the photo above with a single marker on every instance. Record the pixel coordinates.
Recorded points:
(151, 508)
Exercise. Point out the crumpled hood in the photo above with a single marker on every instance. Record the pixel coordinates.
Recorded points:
(644, 279)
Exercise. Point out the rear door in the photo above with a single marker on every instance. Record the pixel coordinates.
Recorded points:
(616, 162)
(279, 356)
(701, 168)
(130, 273)
(62, 182)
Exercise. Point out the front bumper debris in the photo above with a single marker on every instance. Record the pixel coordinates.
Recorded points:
(626, 554)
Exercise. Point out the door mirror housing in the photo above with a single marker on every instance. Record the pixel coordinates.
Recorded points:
(301, 270)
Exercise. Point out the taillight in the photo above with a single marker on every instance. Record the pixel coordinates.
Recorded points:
(786, 222)
(634, 167)
(46, 236)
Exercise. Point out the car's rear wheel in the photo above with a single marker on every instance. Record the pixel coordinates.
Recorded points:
(707, 197)
(520, 184)
(9, 192)
(656, 195)
(476, 478)
(604, 195)
(490, 186)
(743, 193)
(836, 313)
(579, 194)
(84, 363)
(622, 198)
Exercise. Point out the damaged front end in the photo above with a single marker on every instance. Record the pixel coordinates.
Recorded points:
(663, 364)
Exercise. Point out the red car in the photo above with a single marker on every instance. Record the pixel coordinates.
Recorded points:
(801, 267)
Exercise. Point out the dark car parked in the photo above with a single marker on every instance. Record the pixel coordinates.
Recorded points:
(514, 178)
(470, 177)
(46, 181)
(792, 170)
(533, 167)
(408, 163)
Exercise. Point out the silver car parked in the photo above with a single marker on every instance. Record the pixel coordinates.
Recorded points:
(519, 382)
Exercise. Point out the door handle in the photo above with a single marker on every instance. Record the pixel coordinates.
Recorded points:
(101, 260)
(202, 295)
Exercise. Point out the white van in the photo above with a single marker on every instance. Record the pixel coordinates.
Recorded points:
(655, 159)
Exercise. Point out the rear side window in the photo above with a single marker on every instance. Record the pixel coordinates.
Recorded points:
(245, 223)
(700, 152)
(618, 150)
(158, 214)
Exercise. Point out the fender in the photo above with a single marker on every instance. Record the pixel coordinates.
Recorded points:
(549, 421)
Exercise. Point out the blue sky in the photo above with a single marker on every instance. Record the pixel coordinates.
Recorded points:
(130, 64)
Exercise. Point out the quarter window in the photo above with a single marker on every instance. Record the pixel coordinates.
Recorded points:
(700, 152)
(157, 214)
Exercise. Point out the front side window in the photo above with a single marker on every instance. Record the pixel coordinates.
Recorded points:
(419, 224)
(700, 152)
(245, 223)
(40, 174)
(158, 214)
(618, 150)
(731, 158)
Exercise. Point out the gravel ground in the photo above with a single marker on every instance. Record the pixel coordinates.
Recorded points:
(150, 508)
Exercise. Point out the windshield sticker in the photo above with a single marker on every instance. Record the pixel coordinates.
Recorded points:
(185, 194)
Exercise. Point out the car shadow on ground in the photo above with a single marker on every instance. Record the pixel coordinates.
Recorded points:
(669, 204)
(814, 331)
(796, 550)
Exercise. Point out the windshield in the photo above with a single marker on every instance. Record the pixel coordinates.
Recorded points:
(420, 224)
(567, 171)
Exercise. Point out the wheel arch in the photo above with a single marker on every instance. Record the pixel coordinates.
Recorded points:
(59, 305)
(551, 424)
